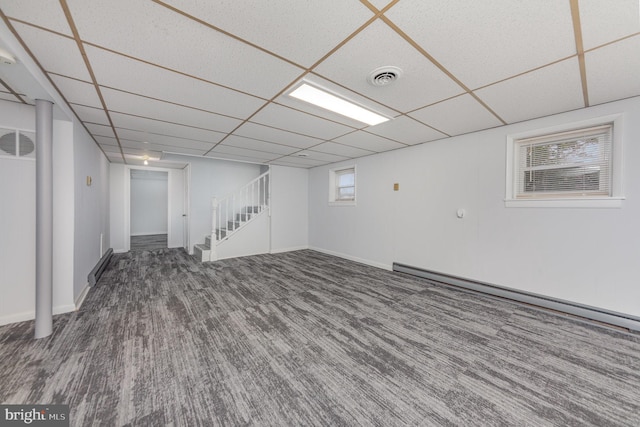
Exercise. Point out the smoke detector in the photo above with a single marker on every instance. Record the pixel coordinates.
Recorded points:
(384, 76)
(6, 58)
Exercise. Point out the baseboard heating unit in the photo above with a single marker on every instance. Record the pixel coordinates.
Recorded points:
(95, 274)
(588, 312)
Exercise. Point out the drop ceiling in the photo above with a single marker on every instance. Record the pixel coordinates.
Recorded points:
(211, 78)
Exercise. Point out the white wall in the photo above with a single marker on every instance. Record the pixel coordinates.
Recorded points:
(17, 222)
(289, 208)
(117, 205)
(149, 201)
(584, 255)
(17, 239)
(91, 206)
(63, 217)
(79, 215)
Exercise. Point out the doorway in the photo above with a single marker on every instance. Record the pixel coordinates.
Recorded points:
(149, 219)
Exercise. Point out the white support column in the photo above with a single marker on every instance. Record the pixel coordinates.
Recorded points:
(44, 219)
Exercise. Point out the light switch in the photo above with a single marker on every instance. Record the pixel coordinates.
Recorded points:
(396, 187)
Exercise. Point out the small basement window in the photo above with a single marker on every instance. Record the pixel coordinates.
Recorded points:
(342, 186)
(567, 168)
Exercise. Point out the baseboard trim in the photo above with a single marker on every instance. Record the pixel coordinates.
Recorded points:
(17, 317)
(61, 309)
(353, 258)
(82, 296)
(26, 316)
(240, 256)
(576, 309)
(290, 249)
(120, 251)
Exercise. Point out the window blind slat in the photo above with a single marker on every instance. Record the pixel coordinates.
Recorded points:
(576, 162)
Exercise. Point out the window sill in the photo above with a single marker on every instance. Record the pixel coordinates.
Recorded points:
(607, 202)
(343, 203)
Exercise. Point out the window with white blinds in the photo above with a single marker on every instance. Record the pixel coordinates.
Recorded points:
(342, 186)
(346, 184)
(571, 164)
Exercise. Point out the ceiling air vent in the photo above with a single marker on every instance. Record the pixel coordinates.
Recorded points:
(8, 144)
(384, 76)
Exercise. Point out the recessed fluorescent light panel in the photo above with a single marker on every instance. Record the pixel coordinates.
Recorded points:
(322, 99)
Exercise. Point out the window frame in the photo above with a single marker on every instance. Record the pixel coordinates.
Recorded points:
(334, 174)
(613, 200)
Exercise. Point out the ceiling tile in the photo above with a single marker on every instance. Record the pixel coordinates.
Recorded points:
(113, 156)
(138, 152)
(295, 121)
(164, 128)
(43, 13)
(48, 47)
(379, 4)
(133, 76)
(613, 72)
(543, 92)
(100, 130)
(456, 116)
(300, 31)
(8, 97)
(300, 161)
(227, 149)
(421, 83)
(406, 130)
(149, 148)
(107, 141)
(77, 92)
(168, 141)
(90, 114)
(483, 42)
(289, 165)
(341, 150)
(125, 102)
(601, 23)
(235, 157)
(269, 134)
(368, 141)
(316, 155)
(152, 148)
(181, 44)
(254, 144)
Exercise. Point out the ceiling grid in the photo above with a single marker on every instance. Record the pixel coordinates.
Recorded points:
(213, 80)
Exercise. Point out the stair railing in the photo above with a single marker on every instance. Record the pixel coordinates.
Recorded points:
(232, 212)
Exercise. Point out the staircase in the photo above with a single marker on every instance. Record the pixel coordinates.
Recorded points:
(232, 213)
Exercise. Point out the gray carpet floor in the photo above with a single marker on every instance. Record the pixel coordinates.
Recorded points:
(149, 242)
(306, 339)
